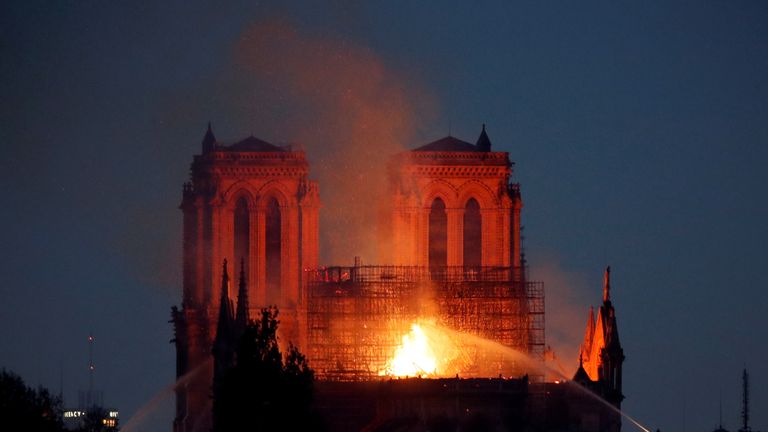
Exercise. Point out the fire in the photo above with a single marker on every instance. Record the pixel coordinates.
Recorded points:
(429, 350)
(414, 357)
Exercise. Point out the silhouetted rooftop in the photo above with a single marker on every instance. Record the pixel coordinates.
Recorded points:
(452, 144)
(253, 144)
(448, 143)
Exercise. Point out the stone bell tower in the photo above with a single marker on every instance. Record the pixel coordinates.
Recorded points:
(249, 202)
(454, 205)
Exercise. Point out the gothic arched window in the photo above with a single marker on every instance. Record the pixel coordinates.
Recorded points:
(438, 234)
(273, 250)
(242, 232)
(473, 234)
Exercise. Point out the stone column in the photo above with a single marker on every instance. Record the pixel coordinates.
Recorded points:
(260, 298)
(422, 237)
(254, 218)
(489, 242)
(505, 224)
(289, 240)
(455, 236)
(516, 233)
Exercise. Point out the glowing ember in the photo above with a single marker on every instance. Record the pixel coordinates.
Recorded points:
(415, 357)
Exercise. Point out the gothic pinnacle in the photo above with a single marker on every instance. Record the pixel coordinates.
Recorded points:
(242, 297)
(483, 143)
(224, 280)
(209, 140)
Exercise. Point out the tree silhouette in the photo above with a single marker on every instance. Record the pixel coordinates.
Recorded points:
(25, 408)
(265, 390)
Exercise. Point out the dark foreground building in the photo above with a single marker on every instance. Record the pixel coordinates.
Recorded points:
(472, 404)
(454, 243)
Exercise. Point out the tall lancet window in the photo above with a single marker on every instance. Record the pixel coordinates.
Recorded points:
(242, 232)
(473, 234)
(273, 251)
(438, 234)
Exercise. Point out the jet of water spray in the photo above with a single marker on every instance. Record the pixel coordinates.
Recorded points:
(528, 362)
(160, 396)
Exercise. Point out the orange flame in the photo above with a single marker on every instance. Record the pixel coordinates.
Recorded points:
(415, 357)
(431, 351)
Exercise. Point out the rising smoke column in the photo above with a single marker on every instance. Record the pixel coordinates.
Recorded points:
(568, 298)
(347, 109)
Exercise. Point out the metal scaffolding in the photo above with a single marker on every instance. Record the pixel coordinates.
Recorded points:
(356, 316)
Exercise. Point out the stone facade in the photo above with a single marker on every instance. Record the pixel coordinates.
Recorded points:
(455, 220)
(449, 177)
(249, 202)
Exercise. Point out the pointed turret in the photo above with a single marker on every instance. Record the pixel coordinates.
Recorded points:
(601, 356)
(209, 140)
(242, 317)
(225, 343)
(483, 142)
(226, 316)
(581, 375)
(607, 285)
(609, 313)
(611, 354)
(589, 335)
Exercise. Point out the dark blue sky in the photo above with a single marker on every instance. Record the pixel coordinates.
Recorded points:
(639, 132)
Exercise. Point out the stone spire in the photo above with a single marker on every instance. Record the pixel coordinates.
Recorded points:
(611, 353)
(589, 334)
(483, 142)
(209, 140)
(242, 317)
(226, 317)
(607, 285)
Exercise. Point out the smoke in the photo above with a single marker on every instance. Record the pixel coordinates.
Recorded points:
(150, 244)
(348, 110)
(568, 297)
(343, 104)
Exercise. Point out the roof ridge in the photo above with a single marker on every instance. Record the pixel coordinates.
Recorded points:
(252, 143)
(448, 143)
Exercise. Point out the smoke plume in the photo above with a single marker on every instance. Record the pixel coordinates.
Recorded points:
(567, 306)
(348, 110)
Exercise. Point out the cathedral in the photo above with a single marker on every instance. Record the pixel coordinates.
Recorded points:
(455, 263)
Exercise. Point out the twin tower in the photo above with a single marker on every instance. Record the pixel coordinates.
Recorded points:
(452, 206)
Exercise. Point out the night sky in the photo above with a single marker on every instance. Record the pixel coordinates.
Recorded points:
(639, 133)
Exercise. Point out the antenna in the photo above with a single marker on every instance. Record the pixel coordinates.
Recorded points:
(61, 382)
(720, 422)
(91, 368)
(745, 400)
(450, 110)
(90, 398)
